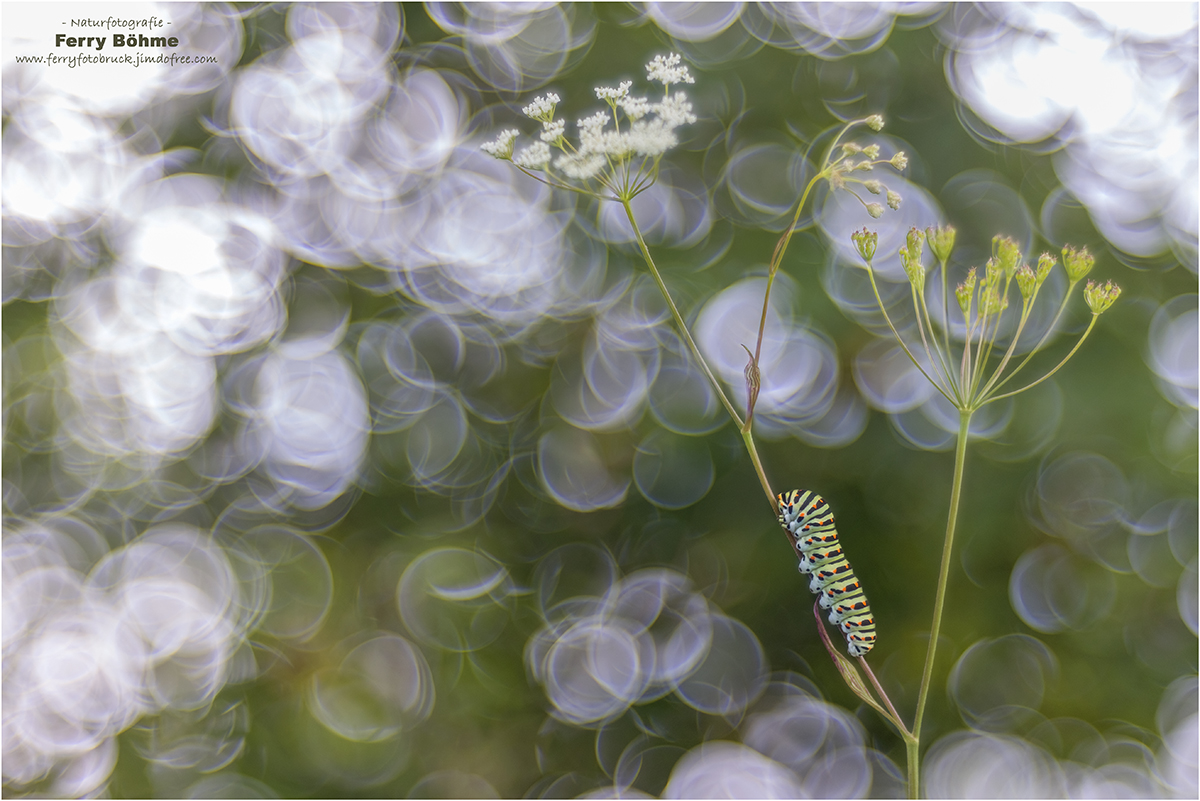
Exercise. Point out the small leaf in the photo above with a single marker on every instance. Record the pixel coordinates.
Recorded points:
(848, 669)
(753, 384)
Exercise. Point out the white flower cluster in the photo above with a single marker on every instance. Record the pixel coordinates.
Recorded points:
(608, 140)
(666, 69)
(542, 108)
(502, 148)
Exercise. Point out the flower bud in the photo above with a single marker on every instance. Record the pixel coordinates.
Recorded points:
(1026, 281)
(1100, 298)
(993, 301)
(900, 161)
(1078, 262)
(911, 262)
(873, 186)
(1008, 255)
(893, 200)
(941, 241)
(865, 242)
(875, 210)
(1045, 263)
(916, 243)
(875, 122)
(850, 148)
(871, 151)
(964, 292)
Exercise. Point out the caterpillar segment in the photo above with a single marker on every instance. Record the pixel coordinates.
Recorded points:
(808, 518)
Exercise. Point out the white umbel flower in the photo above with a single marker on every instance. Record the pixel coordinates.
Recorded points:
(581, 167)
(635, 107)
(614, 95)
(552, 131)
(651, 138)
(542, 108)
(502, 147)
(666, 69)
(533, 157)
(618, 152)
(675, 110)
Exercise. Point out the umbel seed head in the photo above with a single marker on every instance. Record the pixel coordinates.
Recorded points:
(865, 241)
(1026, 281)
(1008, 255)
(941, 241)
(1078, 262)
(916, 244)
(1046, 262)
(965, 291)
(1100, 298)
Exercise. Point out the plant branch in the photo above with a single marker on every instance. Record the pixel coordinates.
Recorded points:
(960, 458)
(1057, 367)
(1049, 330)
(895, 333)
(662, 287)
(904, 732)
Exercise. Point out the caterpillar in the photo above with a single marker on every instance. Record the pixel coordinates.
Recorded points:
(807, 517)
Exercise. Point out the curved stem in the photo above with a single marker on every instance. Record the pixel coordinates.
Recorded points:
(899, 721)
(1045, 336)
(899, 339)
(748, 438)
(945, 373)
(776, 261)
(960, 458)
(662, 287)
(1057, 367)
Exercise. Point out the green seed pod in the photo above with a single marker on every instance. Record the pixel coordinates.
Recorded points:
(965, 291)
(1078, 262)
(865, 242)
(1026, 281)
(912, 267)
(1008, 255)
(1100, 298)
(916, 243)
(941, 241)
(1045, 263)
(993, 301)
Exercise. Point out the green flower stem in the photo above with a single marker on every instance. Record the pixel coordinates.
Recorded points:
(945, 310)
(912, 752)
(960, 458)
(896, 334)
(1049, 330)
(895, 716)
(781, 248)
(748, 438)
(1057, 367)
(939, 365)
(1026, 309)
(662, 287)
(747, 435)
(777, 259)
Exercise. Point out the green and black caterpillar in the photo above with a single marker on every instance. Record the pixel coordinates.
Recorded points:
(807, 517)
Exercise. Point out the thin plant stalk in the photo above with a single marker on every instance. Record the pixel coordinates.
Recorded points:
(939, 603)
(747, 437)
(662, 287)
